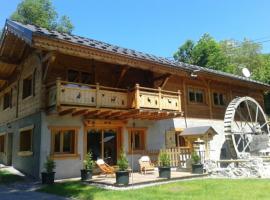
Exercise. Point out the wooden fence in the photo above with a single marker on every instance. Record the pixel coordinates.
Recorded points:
(178, 156)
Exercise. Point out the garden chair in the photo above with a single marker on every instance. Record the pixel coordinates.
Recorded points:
(104, 167)
(146, 165)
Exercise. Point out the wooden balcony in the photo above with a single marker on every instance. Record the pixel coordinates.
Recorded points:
(113, 103)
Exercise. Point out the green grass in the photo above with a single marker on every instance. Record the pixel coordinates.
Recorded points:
(7, 178)
(203, 189)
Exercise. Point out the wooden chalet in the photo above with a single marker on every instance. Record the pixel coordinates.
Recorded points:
(62, 95)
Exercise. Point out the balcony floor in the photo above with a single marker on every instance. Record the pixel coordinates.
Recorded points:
(116, 114)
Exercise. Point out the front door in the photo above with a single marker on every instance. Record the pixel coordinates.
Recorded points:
(103, 143)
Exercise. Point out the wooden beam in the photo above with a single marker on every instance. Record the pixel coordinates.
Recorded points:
(163, 76)
(164, 82)
(91, 113)
(123, 72)
(79, 112)
(9, 61)
(103, 113)
(49, 58)
(66, 111)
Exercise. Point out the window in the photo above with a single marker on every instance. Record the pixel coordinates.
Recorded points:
(2, 143)
(27, 87)
(136, 139)
(26, 140)
(64, 141)
(219, 99)
(7, 100)
(180, 140)
(196, 95)
(79, 77)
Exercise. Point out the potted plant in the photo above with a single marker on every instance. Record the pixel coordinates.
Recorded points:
(164, 168)
(197, 166)
(47, 177)
(122, 174)
(88, 163)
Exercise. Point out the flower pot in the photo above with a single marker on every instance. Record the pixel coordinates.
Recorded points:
(197, 168)
(86, 174)
(164, 172)
(122, 177)
(47, 177)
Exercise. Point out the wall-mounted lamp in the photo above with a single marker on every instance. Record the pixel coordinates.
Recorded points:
(194, 74)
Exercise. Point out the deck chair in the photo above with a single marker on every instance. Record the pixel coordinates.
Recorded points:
(104, 167)
(145, 164)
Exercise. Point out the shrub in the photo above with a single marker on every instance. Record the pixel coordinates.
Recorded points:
(196, 159)
(122, 162)
(89, 162)
(49, 165)
(164, 159)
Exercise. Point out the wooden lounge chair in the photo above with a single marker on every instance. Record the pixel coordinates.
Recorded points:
(145, 164)
(104, 167)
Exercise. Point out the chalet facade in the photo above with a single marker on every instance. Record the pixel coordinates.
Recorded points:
(62, 95)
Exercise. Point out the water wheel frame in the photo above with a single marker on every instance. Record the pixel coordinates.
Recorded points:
(233, 137)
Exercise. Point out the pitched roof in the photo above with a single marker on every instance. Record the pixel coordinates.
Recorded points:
(198, 130)
(26, 32)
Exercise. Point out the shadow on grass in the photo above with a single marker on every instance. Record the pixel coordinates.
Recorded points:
(72, 189)
(7, 178)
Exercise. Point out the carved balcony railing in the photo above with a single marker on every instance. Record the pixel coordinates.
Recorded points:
(82, 95)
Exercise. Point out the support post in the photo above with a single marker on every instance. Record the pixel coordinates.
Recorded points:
(98, 99)
(159, 98)
(137, 96)
(58, 90)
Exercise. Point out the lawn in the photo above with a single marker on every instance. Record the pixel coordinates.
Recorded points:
(203, 189)
(6, 177)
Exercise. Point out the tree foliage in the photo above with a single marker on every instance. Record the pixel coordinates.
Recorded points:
(41, 13)
(227, 55)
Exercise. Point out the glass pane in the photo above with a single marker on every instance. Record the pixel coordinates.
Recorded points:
(191, 96)
(26, 140)
(73, 76)
(2, 143)
(199, 97)
(137, 142)
(221, 99)
(85, 78)
(94, 139)
(69, 141)
(110, 147)
(57, 142)
(215, 98)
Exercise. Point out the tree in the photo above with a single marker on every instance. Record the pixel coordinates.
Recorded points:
(207, 53)
(41, 13)
(184, 53)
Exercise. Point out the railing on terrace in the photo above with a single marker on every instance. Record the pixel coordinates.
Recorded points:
(74, 94)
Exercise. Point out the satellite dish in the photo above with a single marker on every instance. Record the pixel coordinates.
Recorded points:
(246, 72)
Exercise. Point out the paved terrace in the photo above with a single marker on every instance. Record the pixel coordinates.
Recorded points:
(144, 179)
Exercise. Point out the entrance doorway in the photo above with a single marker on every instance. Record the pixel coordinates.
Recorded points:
(104, 144)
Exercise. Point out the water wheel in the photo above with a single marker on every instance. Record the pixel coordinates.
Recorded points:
(246, 127)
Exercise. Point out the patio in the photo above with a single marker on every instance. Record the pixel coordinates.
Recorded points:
(144, 179)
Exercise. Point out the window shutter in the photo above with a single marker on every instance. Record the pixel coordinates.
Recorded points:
(170, 139)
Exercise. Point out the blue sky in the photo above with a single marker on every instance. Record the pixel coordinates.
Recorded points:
(161, 26)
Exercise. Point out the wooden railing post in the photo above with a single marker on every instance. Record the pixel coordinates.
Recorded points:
(179, 100)
(98, 99)
(58, 92)
(137, 96)
(159, 98)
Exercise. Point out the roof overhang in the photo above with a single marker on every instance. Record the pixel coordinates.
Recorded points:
(199, 131)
